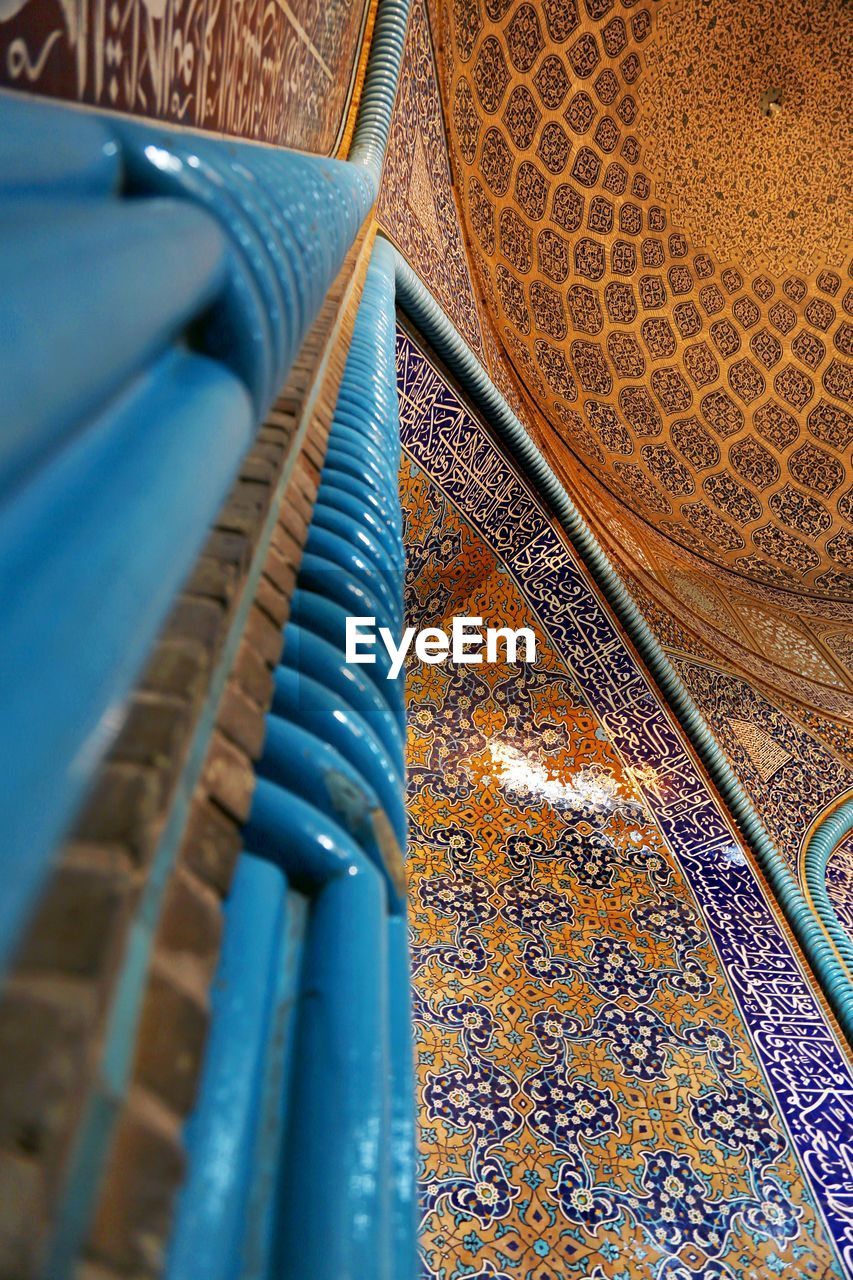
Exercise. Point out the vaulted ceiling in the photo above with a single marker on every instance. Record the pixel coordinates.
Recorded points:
(654, 195)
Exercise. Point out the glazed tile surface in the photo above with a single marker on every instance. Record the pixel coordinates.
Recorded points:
(619, 1075)
(416, 205)
(666, 265)
(769, 669)
(789, 775)
(839, 883)
(279, 73)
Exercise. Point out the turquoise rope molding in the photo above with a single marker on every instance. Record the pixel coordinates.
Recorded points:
(826, 837)
(370, 140)
(336, 1128)
(425, 313)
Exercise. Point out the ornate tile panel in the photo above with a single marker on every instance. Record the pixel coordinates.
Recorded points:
(752, 666)
(280, 73)
(417, 208)
(781, 136)
(623, 1068)
(789, 775)
(839, 883)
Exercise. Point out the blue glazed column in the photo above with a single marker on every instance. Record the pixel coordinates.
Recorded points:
(289, 220)
(329, 824)
(340, 1218)
(119, 240)
(169, 279)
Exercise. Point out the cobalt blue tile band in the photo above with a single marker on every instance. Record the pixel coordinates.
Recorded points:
(428, 318)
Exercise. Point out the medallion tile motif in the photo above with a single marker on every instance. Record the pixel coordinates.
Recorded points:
(619, 1074)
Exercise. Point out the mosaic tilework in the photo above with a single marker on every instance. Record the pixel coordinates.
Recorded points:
(832, 728)
(751, 666)
(677, 631)
(787, 737)
(835, 733)
(793, 761)
(280, 73)
(612, 1020)
(839, 883)
(788, 774)
(709, 394)
(416, 205)
(785, 643)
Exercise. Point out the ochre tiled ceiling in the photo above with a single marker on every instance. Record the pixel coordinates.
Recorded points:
(666, 264)
(776, 207)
